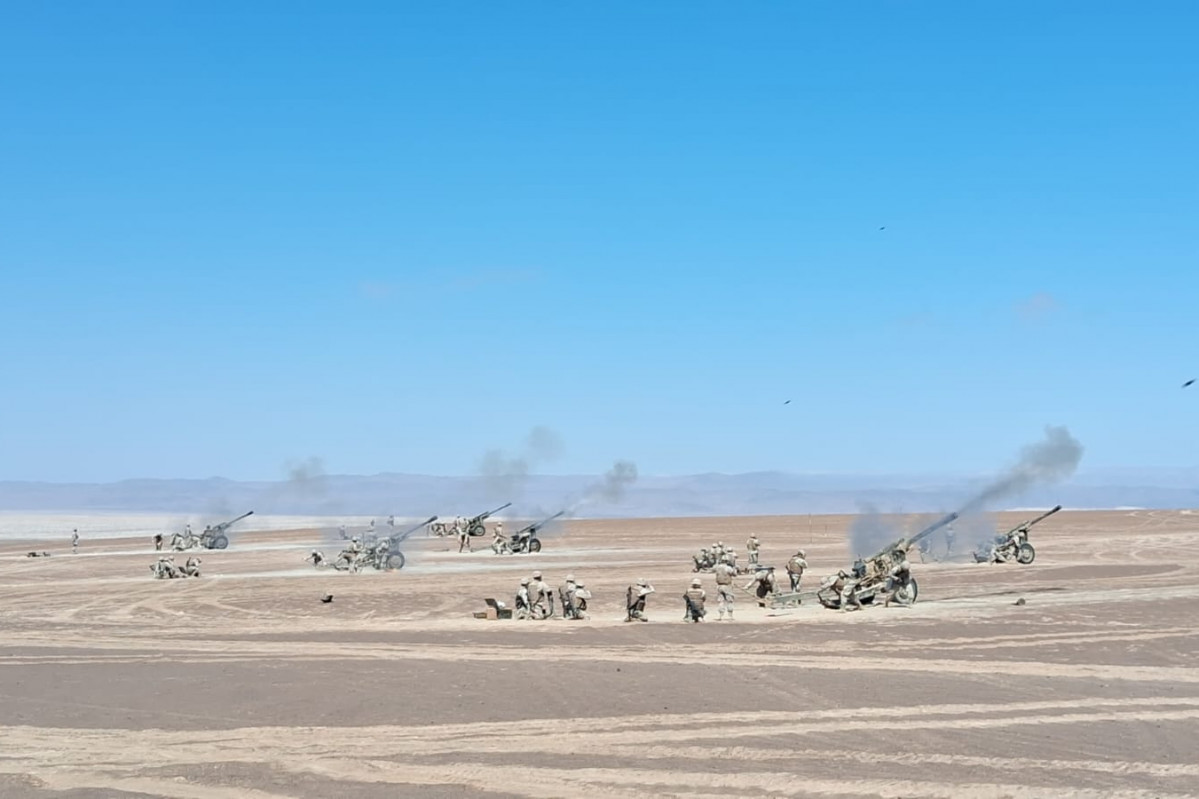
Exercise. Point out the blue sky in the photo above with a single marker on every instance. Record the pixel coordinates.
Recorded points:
(393, 236)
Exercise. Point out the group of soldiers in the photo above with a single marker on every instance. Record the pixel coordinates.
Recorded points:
(762, 585)
(356, 556)
(535, 599)
(166, 569)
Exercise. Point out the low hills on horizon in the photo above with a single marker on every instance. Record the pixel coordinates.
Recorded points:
(711, 494)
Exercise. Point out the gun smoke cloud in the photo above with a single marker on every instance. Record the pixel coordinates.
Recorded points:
(611, 488)
(1049, 461)
(506, 475)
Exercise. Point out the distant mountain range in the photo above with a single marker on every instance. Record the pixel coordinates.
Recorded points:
(757, 493)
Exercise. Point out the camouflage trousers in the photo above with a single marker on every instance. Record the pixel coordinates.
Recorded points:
(724, 600)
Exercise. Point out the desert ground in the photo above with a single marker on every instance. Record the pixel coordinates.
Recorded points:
(242, 684)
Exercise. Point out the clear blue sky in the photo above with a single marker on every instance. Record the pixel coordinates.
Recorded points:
(394, 235)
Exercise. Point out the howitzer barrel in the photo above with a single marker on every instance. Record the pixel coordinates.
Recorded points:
(484, 516)
(932, 528)
(401, 536)
(226, 525)
(535, 526)
(1044, 515)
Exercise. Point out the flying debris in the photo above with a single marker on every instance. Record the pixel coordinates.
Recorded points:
(884, 227)
(1187, 383)
(788, 402)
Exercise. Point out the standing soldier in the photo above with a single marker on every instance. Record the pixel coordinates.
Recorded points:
(730, 557)
(158, 542)
(694, 600)
(463, 534)
(635, 600)
(724, 589)
(898, 579)
(341, 531)
(75, 541)
(391, 521)
(795, 569)
(751, 547)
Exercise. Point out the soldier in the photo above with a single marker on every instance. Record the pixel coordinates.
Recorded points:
(730, 557)
(391, 521)
(499, 541)
(694, 599)
(897, 580)
(192, 567)
(849, 585)
(635, 600)
(158, 542)
(795, 569)
(951, 538)
(463, 534)
(75, 541)
(751, 548)
(370, 528)
(317, 557)
(701, 559)
(581, 595)
(566, 595)
(763, 583)
(341, 531)
(521, 602)
(541, 602)
(724, 589)
(382, 551)
(717, 551)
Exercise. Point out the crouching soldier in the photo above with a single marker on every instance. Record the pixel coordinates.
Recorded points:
(521, 603)
(635, 600)
(581, 595)
(192, 567)
(694, 599)
(763, 583)
(898, 579)
(541, 601)
(566, 595)
(317, 557)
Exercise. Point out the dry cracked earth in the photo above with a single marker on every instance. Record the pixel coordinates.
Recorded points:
(242, 684)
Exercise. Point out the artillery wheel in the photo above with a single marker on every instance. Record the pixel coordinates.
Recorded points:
(220, 542)
(534, 545)
(478, 529)
(396, 561)
(1026, 554)
(907, 593)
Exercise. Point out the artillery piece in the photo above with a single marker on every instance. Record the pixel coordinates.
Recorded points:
(474, 525)
(374, 552)
(1013, 545)
(870, 578)
(214, 536)
(525, 540)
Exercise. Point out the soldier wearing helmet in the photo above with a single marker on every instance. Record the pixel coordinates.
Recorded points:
(581, 595)
(693, 601)
(566, 595)
(541, 602)
(795, 569)
(724, 574)
(752, 547)
(635, 599)
(763, 583)
(522, 599)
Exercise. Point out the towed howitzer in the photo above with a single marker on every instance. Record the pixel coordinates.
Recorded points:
(525, 539)
(475, 526)
(214, 536)
(871, 577)
(1014, 543)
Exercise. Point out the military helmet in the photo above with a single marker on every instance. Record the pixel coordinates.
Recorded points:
(570, 578)
(579, 583)
(524, 580)
(536, 575)
(642, 583)
(799, 553)
(696, 583)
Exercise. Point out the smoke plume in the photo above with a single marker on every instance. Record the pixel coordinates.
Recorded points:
(611, 488)
(870, 531)
(1048, 461)
(505, 475)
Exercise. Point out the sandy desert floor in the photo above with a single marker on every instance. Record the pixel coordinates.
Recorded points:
(241, 683)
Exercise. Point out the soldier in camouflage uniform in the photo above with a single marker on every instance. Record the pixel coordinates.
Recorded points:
(795, 569)
(724, 589)
(694, 602)
(752, 546)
